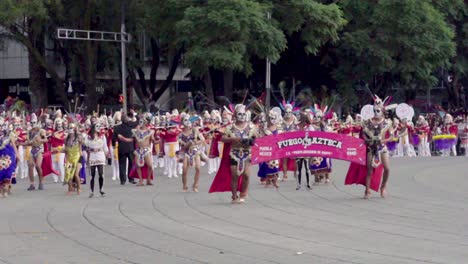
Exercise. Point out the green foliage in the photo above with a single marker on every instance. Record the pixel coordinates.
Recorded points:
(404, 41)
(225, 34)
(317, 23)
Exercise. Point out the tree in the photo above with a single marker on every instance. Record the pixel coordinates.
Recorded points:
(388, 42)
(24, 22)
(455, 12)
(224, 35)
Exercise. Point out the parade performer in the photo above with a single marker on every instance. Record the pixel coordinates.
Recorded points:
(143, 136)
(269, 170)
(305, 124)
(97, 148)
(448, 139)
(158, 161)
(207, 132)
(464, 135)
(233, 174)
(191, 141)
(73, 149)
(393, 140)
(40, 158)
(21, 144)
(57, 142)
(214, 136)
(421, 139)
(8, 154)
(114, 153)
(347, 127)
(404, 133)
(171, 146)
(374, 130)
(321, 167)
(357, 126)
(289, 124)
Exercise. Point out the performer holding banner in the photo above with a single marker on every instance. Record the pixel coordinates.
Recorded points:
(289, 124)
(269, 170)
(320, 167)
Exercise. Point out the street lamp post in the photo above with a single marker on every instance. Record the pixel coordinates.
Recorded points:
(123, 60)
(268, 78)
(106, 36)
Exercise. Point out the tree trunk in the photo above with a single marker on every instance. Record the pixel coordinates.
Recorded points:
(208, 86)
(137, 86)
(37, 73)
(154, 64)
(37, 58)
(228, 81)
(170, 76)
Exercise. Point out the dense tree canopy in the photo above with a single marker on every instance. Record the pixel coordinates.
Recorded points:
(328, 46)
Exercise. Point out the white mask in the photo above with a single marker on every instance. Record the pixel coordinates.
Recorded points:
(186, 122)
(241, 116)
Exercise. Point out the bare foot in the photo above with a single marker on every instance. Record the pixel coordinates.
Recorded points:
(366, 195)
(185, 189)
(149, 183)
(383, 192)
(69, 193)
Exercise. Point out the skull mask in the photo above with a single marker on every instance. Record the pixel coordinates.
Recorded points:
(58, 124)
(241, 115)
(288, 111)
(273, 117)
(186, 122)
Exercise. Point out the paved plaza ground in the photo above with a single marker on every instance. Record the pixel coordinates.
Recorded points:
(424, 220)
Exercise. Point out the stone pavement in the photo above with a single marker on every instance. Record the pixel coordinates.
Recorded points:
(424, 220)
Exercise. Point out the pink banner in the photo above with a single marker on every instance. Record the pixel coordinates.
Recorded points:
(309, 144)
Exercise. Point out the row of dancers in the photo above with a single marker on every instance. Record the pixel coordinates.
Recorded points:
(64, 146)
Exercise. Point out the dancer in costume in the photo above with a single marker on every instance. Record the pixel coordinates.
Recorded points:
(171, 146)
(305, 124)
(393, 139)
(357, 126)
(233, 174)
(404, 133)
(114, 150)
(73, 148)
(320, 167)
(374, 131)
(37, 139)
(421, 139)
(464, 135)
(191, 141)
(21, 144)
(347, 127)
(270, 170)
(289, 124)
(158, 161)
(143, 136)
(57, 142)
(97, 148)
(449, 137)
(8, 154)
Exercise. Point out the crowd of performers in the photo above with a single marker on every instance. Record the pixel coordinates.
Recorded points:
(70, 146)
